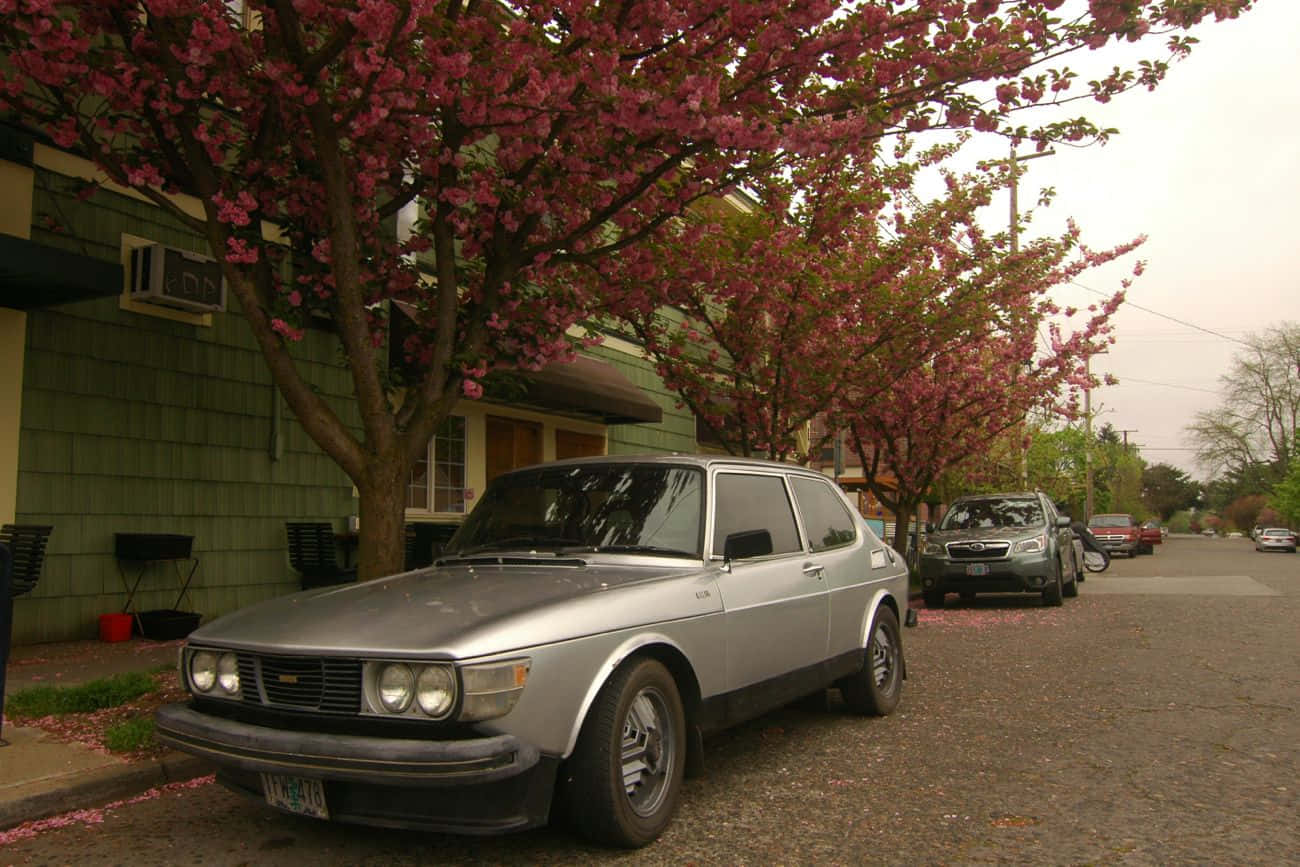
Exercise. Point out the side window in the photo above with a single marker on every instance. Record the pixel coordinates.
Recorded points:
(754, 502)
(825, 517)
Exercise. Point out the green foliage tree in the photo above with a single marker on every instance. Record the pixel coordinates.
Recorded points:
(1286, 495)
(1167, 489)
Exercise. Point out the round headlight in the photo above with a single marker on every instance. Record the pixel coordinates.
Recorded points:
(435, 690)
(228, 673)
(396, 685)
(203, 670)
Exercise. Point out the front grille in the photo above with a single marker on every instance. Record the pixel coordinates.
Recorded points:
(977, 550)
(324, 685)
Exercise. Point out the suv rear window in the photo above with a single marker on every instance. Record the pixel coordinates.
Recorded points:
(999, 512)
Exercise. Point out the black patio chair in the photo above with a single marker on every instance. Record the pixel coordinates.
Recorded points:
(312, 554)
(27, 548)
(425, 541)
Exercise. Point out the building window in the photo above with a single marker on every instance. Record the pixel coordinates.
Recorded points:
(438, 480)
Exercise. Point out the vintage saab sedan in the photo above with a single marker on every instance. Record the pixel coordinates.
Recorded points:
(586, 627)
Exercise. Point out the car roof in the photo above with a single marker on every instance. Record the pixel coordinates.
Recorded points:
(702, 461)
(1007, 495)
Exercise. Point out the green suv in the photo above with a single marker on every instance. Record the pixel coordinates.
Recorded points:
(999, 543)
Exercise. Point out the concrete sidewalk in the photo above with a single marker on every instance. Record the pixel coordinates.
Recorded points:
(42, 777)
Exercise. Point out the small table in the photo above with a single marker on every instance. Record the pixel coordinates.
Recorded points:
(145, 549)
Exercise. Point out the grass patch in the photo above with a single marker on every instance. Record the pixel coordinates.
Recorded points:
(130, 735)
(39, 701)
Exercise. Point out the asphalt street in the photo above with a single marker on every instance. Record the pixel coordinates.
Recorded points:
(1152, 720)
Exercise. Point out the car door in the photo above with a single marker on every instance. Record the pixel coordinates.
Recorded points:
(835, 547)
(776, 604)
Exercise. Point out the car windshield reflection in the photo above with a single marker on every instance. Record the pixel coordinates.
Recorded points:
(981, 514)
(612, 508)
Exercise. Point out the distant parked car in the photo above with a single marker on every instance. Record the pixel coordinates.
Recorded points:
(1235, 534)
(1275, 539)
(1208, 532)
(1118, 533)
(1151, 536)
(1000, 543)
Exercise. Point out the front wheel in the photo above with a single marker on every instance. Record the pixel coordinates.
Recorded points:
(876, 688)
(933, 598)
(1052, 592)
(624, 778)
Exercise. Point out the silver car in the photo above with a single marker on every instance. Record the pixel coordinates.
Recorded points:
(1275, 539)
(584, 630)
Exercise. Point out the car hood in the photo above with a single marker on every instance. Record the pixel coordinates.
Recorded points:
(461, 608)
(983, 534)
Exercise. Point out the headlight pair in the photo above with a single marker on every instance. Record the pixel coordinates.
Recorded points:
(431, 689)
(400, 687)
(212, 673)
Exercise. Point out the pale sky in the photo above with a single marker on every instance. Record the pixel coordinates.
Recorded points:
(1208, 167)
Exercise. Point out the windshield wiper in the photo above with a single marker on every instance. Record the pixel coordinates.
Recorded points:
(638, 549)
(517, 541)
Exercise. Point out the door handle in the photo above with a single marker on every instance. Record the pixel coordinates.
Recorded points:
(814, 570)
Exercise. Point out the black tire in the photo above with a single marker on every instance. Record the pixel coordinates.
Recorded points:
(1071, 588)
(876, 688)
(624, 779)
(1052, 592)
(933, 598)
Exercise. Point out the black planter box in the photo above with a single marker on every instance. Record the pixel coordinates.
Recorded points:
(152, 546)
(166, 624)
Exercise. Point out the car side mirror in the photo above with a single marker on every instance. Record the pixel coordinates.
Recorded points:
(746, 544)
(929, 528)
(1063, 521)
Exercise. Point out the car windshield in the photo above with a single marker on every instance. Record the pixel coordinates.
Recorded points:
(1277, 532)
(1110, 521)
(629, 508)
(977, 514)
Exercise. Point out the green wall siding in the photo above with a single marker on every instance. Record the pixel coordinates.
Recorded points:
(133, 423)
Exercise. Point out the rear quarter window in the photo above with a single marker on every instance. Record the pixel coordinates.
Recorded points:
(827, 520)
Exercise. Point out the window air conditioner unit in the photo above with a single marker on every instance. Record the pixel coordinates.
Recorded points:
(177, 279)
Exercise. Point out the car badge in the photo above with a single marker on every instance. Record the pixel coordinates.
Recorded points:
(288, 678)
(977, 546)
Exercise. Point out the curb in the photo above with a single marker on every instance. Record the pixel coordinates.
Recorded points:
(105, 785)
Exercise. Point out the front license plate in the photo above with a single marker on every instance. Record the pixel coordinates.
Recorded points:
(296, 794)
(977, 568)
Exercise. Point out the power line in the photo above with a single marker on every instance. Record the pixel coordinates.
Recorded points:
(1123, 379)
(1182, 322)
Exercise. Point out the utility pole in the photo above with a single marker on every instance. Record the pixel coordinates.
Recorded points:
(1088, 440)
(1014, 164)
(1126, 433)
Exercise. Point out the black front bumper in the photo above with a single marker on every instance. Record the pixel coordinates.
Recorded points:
(1014, 575)
(484, 785)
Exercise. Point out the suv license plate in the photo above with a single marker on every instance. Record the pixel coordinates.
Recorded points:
(977, 568)
(296, 794)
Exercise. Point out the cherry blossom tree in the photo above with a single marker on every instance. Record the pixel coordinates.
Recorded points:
(464, 156)
(974, 387)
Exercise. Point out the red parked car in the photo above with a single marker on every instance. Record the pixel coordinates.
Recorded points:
(1118, 533)
(1151, 536)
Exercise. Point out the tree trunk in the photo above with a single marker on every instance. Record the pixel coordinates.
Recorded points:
(904, 512)
(382, 548)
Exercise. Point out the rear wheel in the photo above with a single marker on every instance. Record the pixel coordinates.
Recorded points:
(876, 688)
(1071, 588)
(625, 775)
